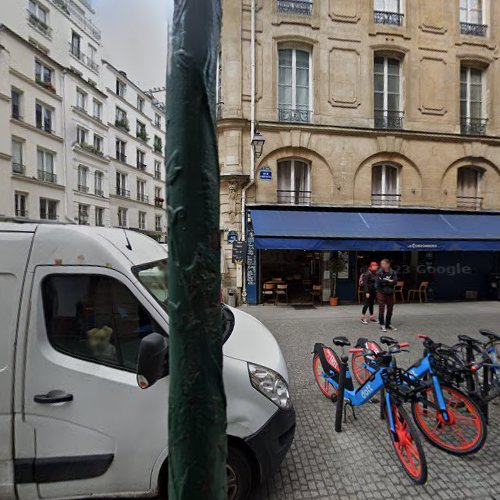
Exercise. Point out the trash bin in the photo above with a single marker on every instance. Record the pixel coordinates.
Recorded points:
(231, 297)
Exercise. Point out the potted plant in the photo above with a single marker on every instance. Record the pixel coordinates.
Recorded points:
(337, 264)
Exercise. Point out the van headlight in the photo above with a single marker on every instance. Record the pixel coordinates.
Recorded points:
(271, 384)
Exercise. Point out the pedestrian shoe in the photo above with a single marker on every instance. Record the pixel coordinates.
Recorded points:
(363, 320)
(383, 328)
(389, 327)
(372, 318)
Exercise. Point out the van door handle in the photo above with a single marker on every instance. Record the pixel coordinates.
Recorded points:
(53, 397)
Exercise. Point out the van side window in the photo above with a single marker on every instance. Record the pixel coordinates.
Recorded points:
(96, 318)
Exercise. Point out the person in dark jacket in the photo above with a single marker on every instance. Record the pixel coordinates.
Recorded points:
(386, 280)
(369, 281)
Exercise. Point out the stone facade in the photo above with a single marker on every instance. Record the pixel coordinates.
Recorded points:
(339, 137)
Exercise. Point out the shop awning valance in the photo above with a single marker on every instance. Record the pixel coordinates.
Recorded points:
(394, 231)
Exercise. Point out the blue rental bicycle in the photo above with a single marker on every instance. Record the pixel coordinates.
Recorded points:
(335, 382)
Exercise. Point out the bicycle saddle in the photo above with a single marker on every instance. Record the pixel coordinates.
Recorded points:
(468, 340)
(388, 340)
(488, 333)
(341, 341)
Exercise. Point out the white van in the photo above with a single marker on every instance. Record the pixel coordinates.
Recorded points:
(76, 305)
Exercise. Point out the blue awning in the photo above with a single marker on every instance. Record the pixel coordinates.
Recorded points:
(396, 231)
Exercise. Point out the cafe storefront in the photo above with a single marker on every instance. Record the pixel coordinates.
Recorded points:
(455, 253)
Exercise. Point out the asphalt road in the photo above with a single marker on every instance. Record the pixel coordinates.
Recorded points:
(360, 463)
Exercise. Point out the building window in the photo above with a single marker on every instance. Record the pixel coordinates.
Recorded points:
(141, 192)
(469, 188)
(121, 120)
(16, 102)
(99, 216)
(17, 157)
(98, 144)
(387, 93)
(21, 204)
(140, 104)
(141, 160)
(76, 43)
(99, 183)
(294, 86)
(142, 220)
(158, 145)
(121, 147)
(39, 17)
(48, 209)
(141, 131)
(157, 120)
(294, 182)
(44, 118)
(45, 160)
(81, 100)
(97, 108)
(92, 55)
(158, 197)
(121, 185)
(472, 18)
(83, 214)
(388, 12)
(158, 224)
(82, 136)
(157, 170)
(295, 7)
(121, 88)
(385, 186)
(122, 217)
(472, 121)
(83, 179)
(44, 76)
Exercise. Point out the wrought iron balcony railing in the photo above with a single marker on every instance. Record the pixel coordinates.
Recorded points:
(294, 115)
(124, 193)
(141, 166)
(47, 177)
(18, 168)
(82, 188)
(473, 29)
(21, 212)
(389, 119)
(383, 17)
(470, 202)
(386, 200)
(295, 7)
(473, 126)
(294, 197)
(157, 175)
(121, 157)
(99, 192)
(143, 197)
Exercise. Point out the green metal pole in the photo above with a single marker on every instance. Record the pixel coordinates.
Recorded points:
(197, 404)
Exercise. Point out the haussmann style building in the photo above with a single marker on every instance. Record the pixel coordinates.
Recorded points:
(381, 122)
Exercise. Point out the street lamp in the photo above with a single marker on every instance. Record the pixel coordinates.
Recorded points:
(258, 144)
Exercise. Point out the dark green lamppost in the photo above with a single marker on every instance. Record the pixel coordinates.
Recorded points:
(197, 404)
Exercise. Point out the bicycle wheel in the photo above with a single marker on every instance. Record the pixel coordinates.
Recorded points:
(465, 431)
(325, 386)
(360, 373)
(408, 446)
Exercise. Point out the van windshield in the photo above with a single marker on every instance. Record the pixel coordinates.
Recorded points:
(154, 278)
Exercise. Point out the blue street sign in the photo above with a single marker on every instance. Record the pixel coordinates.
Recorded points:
(266, 173)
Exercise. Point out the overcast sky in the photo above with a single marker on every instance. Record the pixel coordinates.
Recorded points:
(134, 37)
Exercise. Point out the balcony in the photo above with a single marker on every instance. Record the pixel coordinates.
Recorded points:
(91, 149)
(158, 147)
(473, 29)
(40, 25)
(473, 126)
(295, 7)
(47, 177)
(99, 192)
(46, 85)
(470, 202)
(123, 124)
(82, 188)
(121, 157)
(21, 212)
(157, 175)
(142, 135)
(294, 197)
(144, 198)
(294, 115)
(159, 202)
(124, 193)
(392, 120)
(18, 168)
(392, 18)
(386, 200)
(141, 166)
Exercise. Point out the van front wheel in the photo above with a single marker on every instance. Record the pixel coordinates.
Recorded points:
(239, 475)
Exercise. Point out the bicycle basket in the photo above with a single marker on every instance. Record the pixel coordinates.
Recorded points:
(448, 366)
(402, 384)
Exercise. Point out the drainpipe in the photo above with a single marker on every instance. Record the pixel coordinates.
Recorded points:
(251, 182)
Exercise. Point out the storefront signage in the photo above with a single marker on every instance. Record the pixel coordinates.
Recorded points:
(423, 246)
(232, 236)
(239, 248)
(266, 173)
(251, 259)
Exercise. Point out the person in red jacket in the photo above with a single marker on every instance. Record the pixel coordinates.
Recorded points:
(369, 279)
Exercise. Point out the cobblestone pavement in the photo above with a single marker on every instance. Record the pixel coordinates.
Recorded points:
(359, 463)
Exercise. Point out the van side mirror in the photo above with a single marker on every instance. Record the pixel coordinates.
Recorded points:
(152, 363)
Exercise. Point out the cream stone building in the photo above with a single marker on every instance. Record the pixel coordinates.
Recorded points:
(385, 107)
